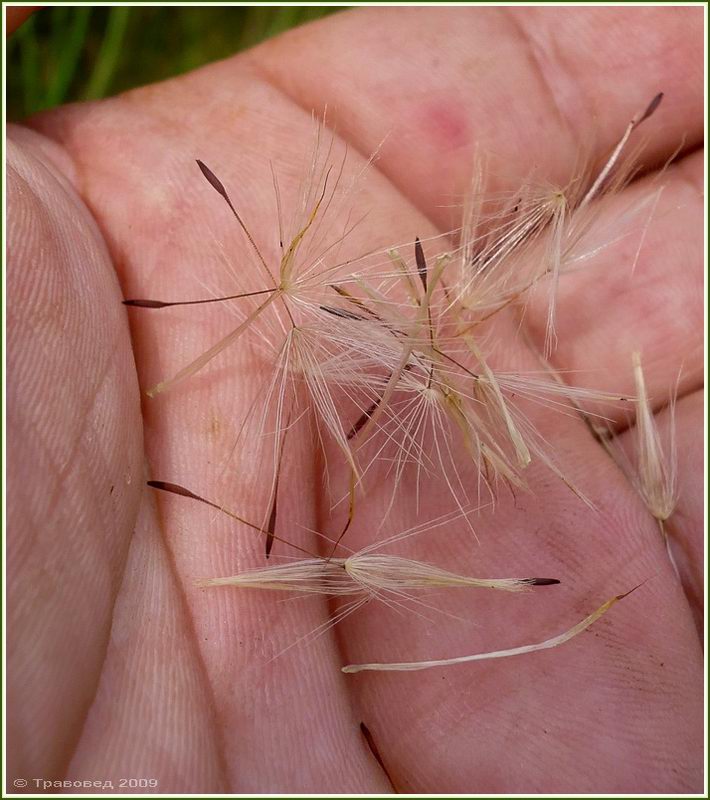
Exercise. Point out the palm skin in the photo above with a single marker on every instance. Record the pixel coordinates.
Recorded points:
(119, 666)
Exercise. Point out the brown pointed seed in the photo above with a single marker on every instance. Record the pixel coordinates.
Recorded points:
(421, 261)
(340, 312)
(271, 526)
(213, 180)
(652, 106)
(163, 304)
(357, 427)
(174, 488)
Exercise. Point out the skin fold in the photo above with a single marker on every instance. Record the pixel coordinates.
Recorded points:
(119, 666)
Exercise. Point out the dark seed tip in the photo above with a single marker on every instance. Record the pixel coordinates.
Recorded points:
(174, 488)
(421, 261)
(542, 581)
(211, 178)
(339, 312)
(652, 106)
(360, 424)
(145, 303)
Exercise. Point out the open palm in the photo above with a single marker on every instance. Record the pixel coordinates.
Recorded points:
(119, 665)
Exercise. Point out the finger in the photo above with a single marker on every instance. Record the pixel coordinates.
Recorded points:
(271, 704)
(525, 84)
(284, 721)
(643, 292)
(162, 737)
(448, 728)
(74, 456)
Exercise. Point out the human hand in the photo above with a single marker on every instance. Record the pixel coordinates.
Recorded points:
(119, 665)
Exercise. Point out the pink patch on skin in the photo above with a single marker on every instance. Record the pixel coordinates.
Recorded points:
(444, 124)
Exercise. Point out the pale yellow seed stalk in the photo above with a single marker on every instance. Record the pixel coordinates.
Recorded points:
(656, 474)
(657, 478)
(555, 641)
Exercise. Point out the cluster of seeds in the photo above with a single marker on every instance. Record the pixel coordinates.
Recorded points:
(388, 356)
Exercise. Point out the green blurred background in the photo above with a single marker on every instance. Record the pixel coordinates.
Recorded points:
(68, 53)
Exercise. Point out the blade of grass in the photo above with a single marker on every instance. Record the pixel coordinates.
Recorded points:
(282, 19)
(30, 66)
(254, 22)
(72, 32)
(109, 54)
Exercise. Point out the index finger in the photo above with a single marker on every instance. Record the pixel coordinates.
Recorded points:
(530, 85)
